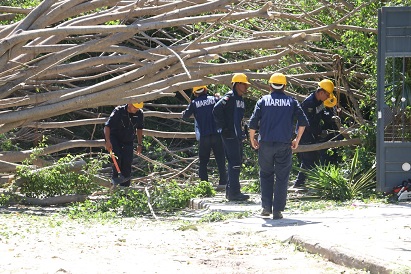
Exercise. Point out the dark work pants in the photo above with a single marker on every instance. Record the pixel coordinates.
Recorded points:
(124, 154)
(275, 161)
(233, 148)
(308, 160)
(208, 143)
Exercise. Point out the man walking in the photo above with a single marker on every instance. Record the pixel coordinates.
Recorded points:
(209, 139)
(273, 117)
(228, 114)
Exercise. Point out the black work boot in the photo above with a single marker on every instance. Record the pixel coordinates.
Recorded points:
(277, 215)
(237, 197)
(265, 212)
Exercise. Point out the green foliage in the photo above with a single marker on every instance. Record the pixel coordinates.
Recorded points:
(398, 88)
(21, 3)
(252, 187)
(89, 210)
(250, 168)
(368, 136)
(222, 216)
(113, 23)
(331, 182)
(57, 179)
(127, 202)
(169, 196)
(5, 198)
(327, 182)
(6, 144)
(399, 3)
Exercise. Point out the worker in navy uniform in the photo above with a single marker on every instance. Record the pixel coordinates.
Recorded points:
(330, 131)
(206, 131)
(124, 124)
(313, 108)
(274, 117)
(228, 114)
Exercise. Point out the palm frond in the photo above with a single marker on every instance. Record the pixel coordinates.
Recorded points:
(333, 182)
(366, 180)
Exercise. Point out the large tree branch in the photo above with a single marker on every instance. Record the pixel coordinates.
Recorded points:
(326, 145)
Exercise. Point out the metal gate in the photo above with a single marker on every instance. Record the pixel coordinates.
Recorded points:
(394, 97)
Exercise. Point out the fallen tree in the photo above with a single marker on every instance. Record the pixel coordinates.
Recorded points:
(56, 60)
(66, 64)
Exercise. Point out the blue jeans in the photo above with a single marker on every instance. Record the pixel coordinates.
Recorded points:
(233, 148)
(208, 143)
(275, 160)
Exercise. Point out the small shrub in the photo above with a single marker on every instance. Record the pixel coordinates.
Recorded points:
(331, 182)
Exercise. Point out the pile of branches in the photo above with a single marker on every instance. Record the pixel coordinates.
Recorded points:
(66, 64)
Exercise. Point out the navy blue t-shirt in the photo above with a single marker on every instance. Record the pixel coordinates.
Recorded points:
(123, 125)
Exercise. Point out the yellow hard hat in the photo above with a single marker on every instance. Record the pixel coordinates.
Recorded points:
(138, 105)
(240, 78)
(330, 102)
(278, 78)
(326, 85)
(199, 89)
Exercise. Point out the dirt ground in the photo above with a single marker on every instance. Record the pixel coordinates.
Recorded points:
(40, 241)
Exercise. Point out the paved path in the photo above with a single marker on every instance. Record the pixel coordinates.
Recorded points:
(376, 238)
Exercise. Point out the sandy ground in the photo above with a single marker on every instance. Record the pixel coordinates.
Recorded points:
(43, 242)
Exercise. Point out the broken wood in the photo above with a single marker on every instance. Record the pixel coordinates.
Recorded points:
(327, 145)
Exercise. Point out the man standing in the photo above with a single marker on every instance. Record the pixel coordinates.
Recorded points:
(208, 137)
(124, 123)
(313, 107)
(228, 114)
(274, 117)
